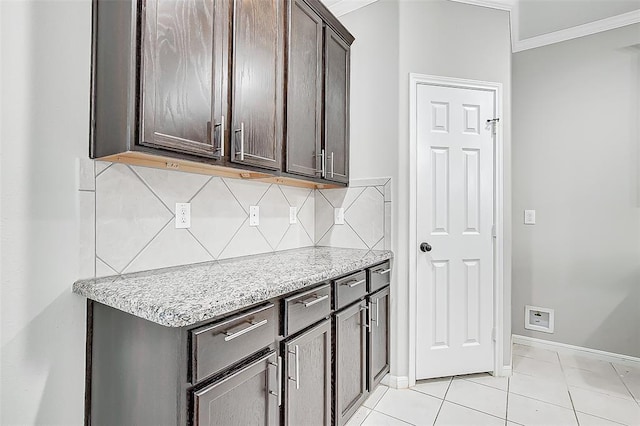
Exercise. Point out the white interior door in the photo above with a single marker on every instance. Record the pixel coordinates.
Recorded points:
(455, 189)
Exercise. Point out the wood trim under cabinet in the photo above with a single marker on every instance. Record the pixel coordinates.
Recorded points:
(136, 158)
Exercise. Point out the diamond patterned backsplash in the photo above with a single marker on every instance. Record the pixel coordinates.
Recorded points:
(131, 219)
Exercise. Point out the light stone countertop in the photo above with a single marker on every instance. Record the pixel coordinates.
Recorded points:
(185, 295)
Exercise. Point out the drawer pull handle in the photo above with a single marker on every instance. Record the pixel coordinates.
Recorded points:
(382, 271)
(313, 300)
(253, 326)
(354, 283)
(375, 302)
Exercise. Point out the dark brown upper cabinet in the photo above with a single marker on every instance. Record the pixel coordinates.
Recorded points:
(184, 96)
(304, 91)
(215, 87)
(258, 82)
(336, 107)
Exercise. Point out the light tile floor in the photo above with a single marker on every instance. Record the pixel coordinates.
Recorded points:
(547, 388)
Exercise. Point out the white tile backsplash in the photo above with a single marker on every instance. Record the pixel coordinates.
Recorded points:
(132, 228)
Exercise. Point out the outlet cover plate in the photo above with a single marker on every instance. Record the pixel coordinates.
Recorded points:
(254, 215)
(183, 215)
(338, 216)
(529, 217)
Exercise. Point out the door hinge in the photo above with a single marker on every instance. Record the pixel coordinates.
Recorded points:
(493, 334)
(493, 231)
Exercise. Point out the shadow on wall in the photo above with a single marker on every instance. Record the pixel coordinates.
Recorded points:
(609, 334)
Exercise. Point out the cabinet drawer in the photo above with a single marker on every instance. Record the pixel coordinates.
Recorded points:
(379, 276)
(304, 309)
(349, 289)
(216, 346)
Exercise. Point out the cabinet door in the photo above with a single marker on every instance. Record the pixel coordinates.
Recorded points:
(350, 363)
(257, 78)
(304, 90)
(185, 45)
(336, 107)
(378, 337)
(308, 382)
(247, 397)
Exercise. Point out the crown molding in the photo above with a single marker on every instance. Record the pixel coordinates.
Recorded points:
(518, 45)
(342, 7)
(590, 28)
(507, 5)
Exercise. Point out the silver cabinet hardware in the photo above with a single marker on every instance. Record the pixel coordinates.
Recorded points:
(332, 164)
(253, 326)
(354, 283)
(241, 130)
(313, 300)
(278, 365)
(382, 271)
(296, 353)
(221, 125)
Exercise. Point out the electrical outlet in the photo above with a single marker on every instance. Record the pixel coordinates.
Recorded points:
(529, 217)
(293, 215)
(338, 216)
(183, 215)
(254, 215)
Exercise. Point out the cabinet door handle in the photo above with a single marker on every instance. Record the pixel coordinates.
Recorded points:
(221, 125)
(375, 302)
(382, 271)
(321, 171)
(296, 353)
(332, 164)
(313, 300)
(354, 283)
(241, 130)
(278, 366)
(365, 323)
(253, 326)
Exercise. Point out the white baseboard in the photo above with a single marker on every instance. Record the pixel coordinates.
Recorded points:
(396, 382)
(577, 350)
(505, 371)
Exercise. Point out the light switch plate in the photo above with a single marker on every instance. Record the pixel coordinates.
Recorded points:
(293, 215)
(338, 216)
(183, 215)
(529, 217)
(254, 215)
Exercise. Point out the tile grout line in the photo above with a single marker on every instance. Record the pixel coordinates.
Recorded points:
(109, 266)
(435, 419)
(137, 255)
(202, 245)
(141, 179)
(573, 407)
(624, 384)
(201, 188)
(232, 237)
(304, 228)
(506, 406)
(346, 222)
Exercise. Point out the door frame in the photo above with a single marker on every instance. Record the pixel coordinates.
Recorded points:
(416, 80)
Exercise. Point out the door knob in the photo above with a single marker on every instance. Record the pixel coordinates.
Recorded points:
(425, 247)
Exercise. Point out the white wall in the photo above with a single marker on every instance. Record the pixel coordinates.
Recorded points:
(431, 37)
(576, 160)
(45, 127)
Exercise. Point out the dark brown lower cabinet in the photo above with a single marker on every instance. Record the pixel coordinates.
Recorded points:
(248, 396)
(308, 377)
(378, 336)
(350, 367)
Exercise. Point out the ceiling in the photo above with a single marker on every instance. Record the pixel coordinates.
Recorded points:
(536, 23)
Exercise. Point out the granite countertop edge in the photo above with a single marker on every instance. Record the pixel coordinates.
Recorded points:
(127, 292)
